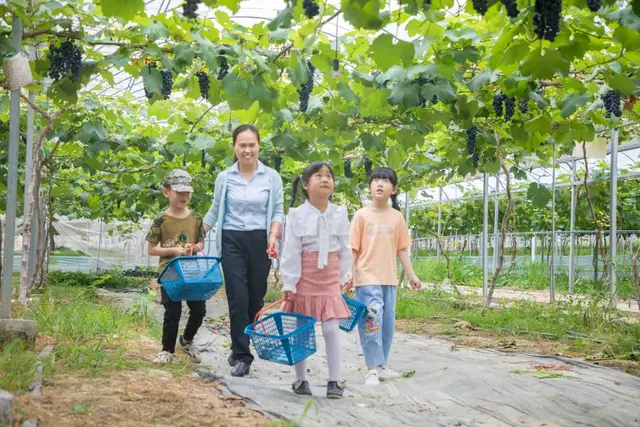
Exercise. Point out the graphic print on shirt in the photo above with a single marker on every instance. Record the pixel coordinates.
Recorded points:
(180, 241)
(380, 231)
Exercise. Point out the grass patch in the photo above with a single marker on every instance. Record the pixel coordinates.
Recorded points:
(17, 367)
(109, 279)
(532, 276)
(586, 326)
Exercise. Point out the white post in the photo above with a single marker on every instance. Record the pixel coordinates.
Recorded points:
(613, 203)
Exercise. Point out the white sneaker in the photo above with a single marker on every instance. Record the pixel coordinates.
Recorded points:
(386, 374)
(371, 378)
(191, 350)
(163, 358)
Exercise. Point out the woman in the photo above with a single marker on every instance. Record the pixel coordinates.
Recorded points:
(248, 212)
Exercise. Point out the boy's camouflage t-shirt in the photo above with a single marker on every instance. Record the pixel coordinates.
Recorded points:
(171, 232)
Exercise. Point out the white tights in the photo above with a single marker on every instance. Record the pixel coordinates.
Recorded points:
(331, 333)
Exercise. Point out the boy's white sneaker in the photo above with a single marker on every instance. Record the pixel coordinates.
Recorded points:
(190, 349)
(163, 358)
(385, 374)
(371, 378)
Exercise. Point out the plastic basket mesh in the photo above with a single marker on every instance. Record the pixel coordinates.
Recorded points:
(285, 338)
(357, 310)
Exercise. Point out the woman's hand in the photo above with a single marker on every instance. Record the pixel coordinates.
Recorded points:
(416, 283)
(287, 295)
(272, 246)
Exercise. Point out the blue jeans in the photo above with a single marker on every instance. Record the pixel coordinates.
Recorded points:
(378, 325)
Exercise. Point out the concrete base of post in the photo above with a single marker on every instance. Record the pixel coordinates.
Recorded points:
(25, 330)
(6, 408)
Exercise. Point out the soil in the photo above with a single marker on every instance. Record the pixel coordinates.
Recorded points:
(149, 396)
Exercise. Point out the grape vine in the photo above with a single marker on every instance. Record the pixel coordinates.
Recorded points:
(547, 18)
(65, 60)
(224, 66)
(203, 83)
(498, 101)
(480, 6)
(347, 168)
(306, 88)
(277, 162)
(167, 83)
(189, 9)
(523, 105)
(512, 8)
(594, 5)
(611, 101)
(472, 132)
(311, 9)
(367, 165)
(509, 108)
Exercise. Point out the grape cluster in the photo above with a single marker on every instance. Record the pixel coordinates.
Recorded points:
(367, 165)
(203, 160)
(421, 81)
(475, 159)
(277, 162)
(594, 5)
(498, 101)
(224, 67)
(65, 60)
(512, 8)
(189, 9)
(611, 101)
(311, 9)
(472, 132)
(347, 168)
(523, 105)
(167, 83)
(335, 65)
(547, 18)
(480, 6)
(203, 82)
(509, 108)
(306, 88)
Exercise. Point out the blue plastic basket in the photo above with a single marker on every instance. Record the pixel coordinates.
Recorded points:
(191, 278)
(357, 310)
(286, 338)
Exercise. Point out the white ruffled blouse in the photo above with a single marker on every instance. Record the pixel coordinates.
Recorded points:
(309, 230)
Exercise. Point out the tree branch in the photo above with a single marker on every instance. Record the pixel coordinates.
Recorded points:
(199, 119)
(288, 47)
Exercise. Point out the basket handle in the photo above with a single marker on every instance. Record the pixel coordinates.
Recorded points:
(195, 248)
(260, 314)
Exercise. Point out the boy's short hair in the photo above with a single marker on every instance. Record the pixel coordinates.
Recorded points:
(178, 180)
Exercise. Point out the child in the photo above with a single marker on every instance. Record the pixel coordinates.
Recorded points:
(173, 234)
(316, 258)
(379, 235)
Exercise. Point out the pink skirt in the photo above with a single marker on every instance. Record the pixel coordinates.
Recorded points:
(318, 291)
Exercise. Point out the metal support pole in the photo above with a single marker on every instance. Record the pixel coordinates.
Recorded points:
(495, 222)
(12, 183)
(485, 236)
(99, 246)
(572, 237)
(439, 222)
(406, 219)
(534, 243)
(613, 203)
(552, 265)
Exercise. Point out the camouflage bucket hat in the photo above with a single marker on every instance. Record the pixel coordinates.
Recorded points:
(179, 180)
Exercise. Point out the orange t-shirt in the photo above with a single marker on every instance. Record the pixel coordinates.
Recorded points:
(378, 237)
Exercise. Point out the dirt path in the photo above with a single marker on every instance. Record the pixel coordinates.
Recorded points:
(446, 385)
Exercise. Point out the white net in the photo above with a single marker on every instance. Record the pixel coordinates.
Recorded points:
(105, 245)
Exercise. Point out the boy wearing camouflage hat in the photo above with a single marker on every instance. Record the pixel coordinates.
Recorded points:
(173, 234)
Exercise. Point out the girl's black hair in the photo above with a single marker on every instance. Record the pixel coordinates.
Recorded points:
(389, 174)
(308, 172)
(239, 130)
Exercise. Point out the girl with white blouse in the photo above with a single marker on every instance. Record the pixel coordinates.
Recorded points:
(316, 258)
